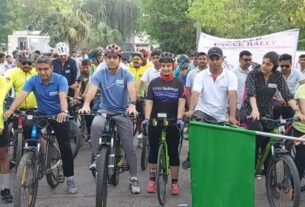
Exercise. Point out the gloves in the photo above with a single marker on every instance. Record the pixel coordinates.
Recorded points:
(145, 122)
(180, 123)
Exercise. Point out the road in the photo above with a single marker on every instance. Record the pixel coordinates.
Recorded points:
(119, 196)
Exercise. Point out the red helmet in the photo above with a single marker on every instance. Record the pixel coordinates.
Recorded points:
(113, 49)
(145, 53)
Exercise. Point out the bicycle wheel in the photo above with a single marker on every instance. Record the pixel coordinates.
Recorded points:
(19, 148)
(115, 177)
(283, 182)
(75, 138)
(162, 175)
(144, 153)
(54, 174)
(26, 181)
(102, 177)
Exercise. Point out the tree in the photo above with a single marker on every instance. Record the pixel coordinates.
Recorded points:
(167, 23)
(247, 18)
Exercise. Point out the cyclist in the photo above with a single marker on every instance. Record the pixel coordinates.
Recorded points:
(299, 130)
(293, 78)
(116, 84)
(96, 57)
(212, 90)
(152, 72)
(51, 90)
(302, 64)
(5, 192)
(182, 69)
(194, 61)
(66, 66)
(260, 88)
(202, 64)
(137, 72)
(241, 73)
(165, 95)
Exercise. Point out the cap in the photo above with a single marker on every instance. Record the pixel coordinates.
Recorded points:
(215, 51)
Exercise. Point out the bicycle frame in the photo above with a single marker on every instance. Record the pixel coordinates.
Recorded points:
(165, 161)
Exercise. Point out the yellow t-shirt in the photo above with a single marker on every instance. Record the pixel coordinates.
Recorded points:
(299, 94)
(4, 89)
(17, 80)
(148, 65)
(137, 73)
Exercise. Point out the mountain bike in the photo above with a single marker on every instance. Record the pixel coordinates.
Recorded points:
(41, 157)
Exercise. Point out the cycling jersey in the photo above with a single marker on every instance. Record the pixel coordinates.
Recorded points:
(4, 88)
(137, 73)
(17, 79)
(148, 65)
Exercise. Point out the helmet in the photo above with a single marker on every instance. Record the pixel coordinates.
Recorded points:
(34, 57)
(21, 57)
(61, 48)
(183, 58)
(137, 54)
(167, 57)
(96, 52)
(113, 49)
(156, 52)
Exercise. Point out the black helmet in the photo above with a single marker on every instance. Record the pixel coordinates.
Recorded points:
(167, 57)
(183, 58)
(137, 54)
(96, 52)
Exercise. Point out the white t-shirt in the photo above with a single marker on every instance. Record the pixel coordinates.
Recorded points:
(214, 95)
(191, 77)
(293, 80)
(2, 69)
(150, 74)
(241, 76)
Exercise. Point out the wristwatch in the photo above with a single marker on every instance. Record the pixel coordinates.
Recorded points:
(65, 111)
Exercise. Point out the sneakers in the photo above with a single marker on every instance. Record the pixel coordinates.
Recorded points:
(140, 136)
(71, 187)
(134, 186)
(151, 188)
(186, 164)
(6, 196)
(175, 190)
(93, 166)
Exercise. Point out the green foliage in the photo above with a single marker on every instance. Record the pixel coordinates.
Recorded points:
(166, 22)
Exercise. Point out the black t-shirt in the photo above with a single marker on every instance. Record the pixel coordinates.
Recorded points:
(165, 96)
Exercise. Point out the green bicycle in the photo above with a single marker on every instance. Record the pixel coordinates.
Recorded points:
(282, 177)
(163, 167)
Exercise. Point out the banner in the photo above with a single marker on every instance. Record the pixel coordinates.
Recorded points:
(222, 166)
(281, 42)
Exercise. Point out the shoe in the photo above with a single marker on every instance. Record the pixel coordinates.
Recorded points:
(140, 136)
(71, 187)
(151, 188)
(134, 186)
(186, 164)
(93, 166)
(6, 196)
(175, 190)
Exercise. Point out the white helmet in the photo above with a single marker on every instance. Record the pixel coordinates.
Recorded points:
(62, 48)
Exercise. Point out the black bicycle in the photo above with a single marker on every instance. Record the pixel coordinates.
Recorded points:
(109, 160)
(41, 157)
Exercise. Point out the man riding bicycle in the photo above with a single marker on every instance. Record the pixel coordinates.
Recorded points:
(51, 90)
(118, 95)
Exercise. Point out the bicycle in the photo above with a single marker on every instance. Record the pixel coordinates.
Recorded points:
(109, 162)
(41, 157)
(163, 167)
(281, 173)
(16, 135)
(144, 149)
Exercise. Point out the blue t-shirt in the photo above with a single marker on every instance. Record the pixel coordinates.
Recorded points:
(176, 74)
(114, 93)
(47, 95)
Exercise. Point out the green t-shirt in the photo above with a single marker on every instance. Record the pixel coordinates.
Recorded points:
(299, 94)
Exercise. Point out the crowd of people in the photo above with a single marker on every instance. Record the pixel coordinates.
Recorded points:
(195, 86)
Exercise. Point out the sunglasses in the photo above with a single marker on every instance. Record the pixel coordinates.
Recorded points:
(247, 60)
(285, 66)
(26, 63)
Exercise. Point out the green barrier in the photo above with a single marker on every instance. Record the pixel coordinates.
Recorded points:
(222, 166)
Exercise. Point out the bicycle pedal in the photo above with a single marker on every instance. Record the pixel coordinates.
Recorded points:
(60, 178)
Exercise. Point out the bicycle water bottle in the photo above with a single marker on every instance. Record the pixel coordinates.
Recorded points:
(34, 134)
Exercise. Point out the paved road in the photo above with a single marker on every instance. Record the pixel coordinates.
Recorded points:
(119, 196)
